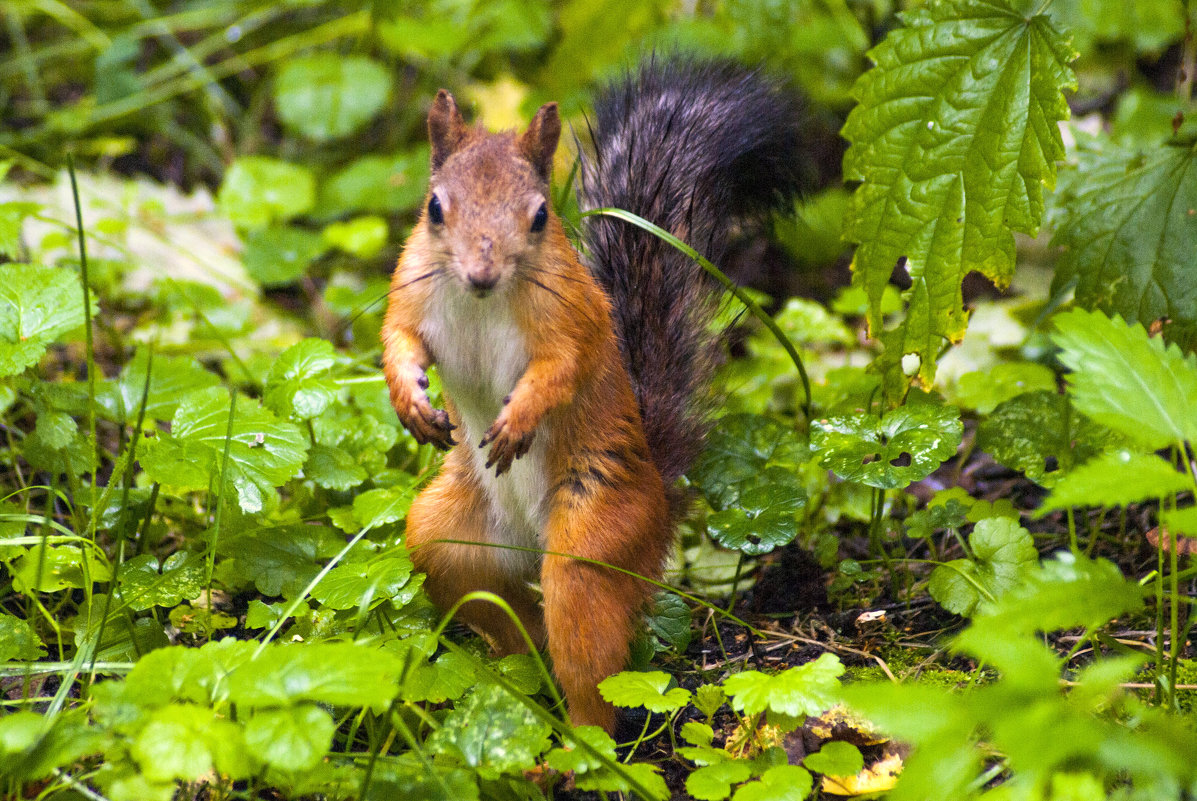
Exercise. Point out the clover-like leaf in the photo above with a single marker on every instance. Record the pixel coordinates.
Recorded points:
(905, 445)
(1126, 380)
(493, 733)
(835, 758)
(1129, 233)
(327, 95)
(1004, 553)
(300, 384)
(766, 514)
(38, 305)
(1117, 478)
(290, 738)
(264, 453)
(804, 690)
(954, 139)
(649, 690)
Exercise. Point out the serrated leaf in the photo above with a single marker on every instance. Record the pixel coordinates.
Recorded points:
(327, 95)
(1004, 553)
(766, 514)
(333, 468)
(265, 452)
(494, 733)
(331, 673)
(953, 140)
(258, 191)
(379, 507)
(290, 738)
(1129, 234)
(670, 621)
(649, 690)
(904, 446)
(778, 783)
(1115, 479)
(449, 677)
(171, 379)
(300, 385)
(38, 305)
(579, 759)
(804, 690)
(1124, 379)
(361, 584)
(18, 640)
(283, 558)
(738, 451)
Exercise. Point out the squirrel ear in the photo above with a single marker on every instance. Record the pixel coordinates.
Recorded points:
(539, 142)
(446, 128)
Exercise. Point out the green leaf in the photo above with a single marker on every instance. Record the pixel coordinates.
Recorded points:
(281, 560)
(327, 95)
(290, 739)
(1004, 553)
(378, 507)
(265, 452)
(1180, 521)
(649, 690)
(259, 190)
(738, 450)
(362, 237)
(333, 468)
(766, 516)
(378, 184)
(55, 567)
(363, 584)
(1129, 234)
(1115, 479)
(171, 379)
(778, 783)
(835, 759)
(983, 390)
(493, 733)
(670, 621)
(330, 673)
(300, 384)
(954, 139)
(904, 446)
(804, 690)
(449, 677)
(12, 217)
(18, 640)
(281, 254)
(32, 746)
(713, 782)
(37, 306)
(1124, 379)
(579, 759)
(143, 585)
(187, 742)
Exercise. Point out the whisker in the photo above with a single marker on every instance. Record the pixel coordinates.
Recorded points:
(559, 297)
(341, 329)
(562, 276)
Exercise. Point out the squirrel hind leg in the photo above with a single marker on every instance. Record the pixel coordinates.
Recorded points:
(451, 508)
(592, 612)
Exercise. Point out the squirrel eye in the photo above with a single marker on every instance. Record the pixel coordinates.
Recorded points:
(434, 211)
(542, 217)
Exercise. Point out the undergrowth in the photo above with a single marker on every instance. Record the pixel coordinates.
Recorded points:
(205, 589)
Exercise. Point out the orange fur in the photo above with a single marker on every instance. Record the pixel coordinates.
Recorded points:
(489, 297)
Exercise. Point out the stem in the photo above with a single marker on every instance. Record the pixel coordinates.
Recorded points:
(87, 333)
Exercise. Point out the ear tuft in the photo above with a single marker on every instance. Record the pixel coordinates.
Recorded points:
(446, 128)
(539, 142)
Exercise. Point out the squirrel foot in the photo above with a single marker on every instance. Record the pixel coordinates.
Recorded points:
(427, 424)
(507, 444)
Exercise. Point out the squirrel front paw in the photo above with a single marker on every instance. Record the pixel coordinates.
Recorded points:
(507, 442)
(426, 423)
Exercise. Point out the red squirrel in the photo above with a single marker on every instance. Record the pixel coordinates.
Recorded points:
(572, 389)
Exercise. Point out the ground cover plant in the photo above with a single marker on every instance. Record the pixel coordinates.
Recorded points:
(941, 536)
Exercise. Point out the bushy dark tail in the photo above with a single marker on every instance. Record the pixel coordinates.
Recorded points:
(696, 147)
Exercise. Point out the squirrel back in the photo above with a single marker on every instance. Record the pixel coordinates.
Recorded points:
(696, 147)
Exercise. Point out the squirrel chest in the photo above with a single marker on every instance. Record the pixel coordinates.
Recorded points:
(480, 354)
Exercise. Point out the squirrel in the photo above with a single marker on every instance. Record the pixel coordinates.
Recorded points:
(573, 390)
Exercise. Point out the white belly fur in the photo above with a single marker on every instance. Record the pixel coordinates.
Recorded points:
(481, 354)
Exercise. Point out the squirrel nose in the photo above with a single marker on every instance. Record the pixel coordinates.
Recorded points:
(482, 283)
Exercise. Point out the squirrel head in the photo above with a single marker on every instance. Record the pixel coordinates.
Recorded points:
(488, 201)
